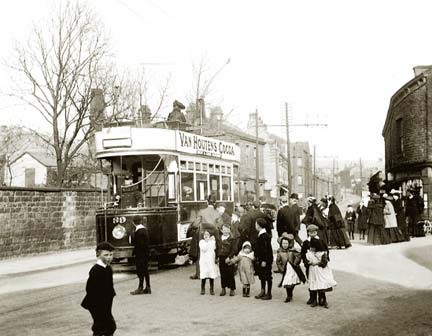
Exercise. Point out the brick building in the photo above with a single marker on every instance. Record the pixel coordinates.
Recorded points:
(407, 134)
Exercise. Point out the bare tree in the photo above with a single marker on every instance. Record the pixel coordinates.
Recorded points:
(202, 87)
(60, 64)
(11, 143)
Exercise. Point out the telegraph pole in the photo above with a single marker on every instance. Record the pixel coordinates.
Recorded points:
(288, 151)
(361, 178)
(314, 172)
(257, 184)
(333, 178)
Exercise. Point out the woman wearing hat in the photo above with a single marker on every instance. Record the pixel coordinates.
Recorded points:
(337, 233)
(394, 235)
(400, 214)
(376, 230)
(315, 215)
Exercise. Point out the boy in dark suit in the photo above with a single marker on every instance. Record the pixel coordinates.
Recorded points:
(264, 258)
(141, 252)
(100, 292)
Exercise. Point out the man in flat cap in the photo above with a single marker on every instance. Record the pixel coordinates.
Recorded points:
(288, 218)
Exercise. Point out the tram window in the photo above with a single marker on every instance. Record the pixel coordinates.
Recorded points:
(226, 188)
(201, 187)
(211, 168)
(198, 166)
(204, 167)
(191, 165)
(187, 187)
(171, 186)
(217, 169)
(183, 165)
(214, 186)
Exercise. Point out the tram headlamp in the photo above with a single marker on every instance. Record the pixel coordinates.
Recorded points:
(119, 231)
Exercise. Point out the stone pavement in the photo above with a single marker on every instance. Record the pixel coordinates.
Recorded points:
(46, 261)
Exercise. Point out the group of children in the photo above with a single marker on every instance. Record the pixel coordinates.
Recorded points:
(221, 261)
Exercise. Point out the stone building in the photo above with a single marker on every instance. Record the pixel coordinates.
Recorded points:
(245, 173)
(407, 134)
(275, 161)
(302, 174)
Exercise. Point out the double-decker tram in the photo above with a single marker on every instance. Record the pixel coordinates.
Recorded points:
(164, 176)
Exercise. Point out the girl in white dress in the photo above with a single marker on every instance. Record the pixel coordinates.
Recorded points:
(287, 261)
(320, 275)
(207, 261)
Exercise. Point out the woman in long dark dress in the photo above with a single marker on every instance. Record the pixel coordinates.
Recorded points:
(338, 236)
(376, 230)
(362, 223)
(400, 214)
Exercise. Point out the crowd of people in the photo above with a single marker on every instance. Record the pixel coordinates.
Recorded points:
(386, 218)
(220, 248)
(224, 244)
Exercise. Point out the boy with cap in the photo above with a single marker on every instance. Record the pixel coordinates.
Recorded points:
(100, 292)
(141, 253)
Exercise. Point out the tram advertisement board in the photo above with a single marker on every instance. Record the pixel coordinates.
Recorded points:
(196, 144)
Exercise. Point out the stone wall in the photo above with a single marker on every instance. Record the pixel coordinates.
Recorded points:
(36, 220)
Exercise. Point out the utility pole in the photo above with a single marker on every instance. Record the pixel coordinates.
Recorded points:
(287, 125)
(333, 175)
(288, 151)
(257, 184)
(361, 178)
(314, 172)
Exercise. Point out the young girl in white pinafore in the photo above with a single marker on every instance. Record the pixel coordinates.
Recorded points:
(287, 261)
(207, 261)
(320, 275)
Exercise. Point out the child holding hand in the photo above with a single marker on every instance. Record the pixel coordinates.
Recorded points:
(320, 275)
(207, 261)
(245, 260)
(287, 261)
(226, 250)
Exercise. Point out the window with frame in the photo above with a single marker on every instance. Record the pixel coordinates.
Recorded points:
(226, 188)
(187, 186)
(215, 186)
(201, 187)
(300, 180)
(399, 136)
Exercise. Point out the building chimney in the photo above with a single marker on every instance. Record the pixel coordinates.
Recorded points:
(419, 69)
(97, 108)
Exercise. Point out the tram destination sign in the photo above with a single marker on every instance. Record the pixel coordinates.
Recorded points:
(196, 144)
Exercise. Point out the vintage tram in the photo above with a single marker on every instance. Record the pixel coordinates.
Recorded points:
(164, 175)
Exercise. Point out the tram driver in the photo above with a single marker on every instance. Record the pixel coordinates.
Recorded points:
(131, 195)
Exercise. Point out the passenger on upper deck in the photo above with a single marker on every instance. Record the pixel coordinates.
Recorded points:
(177, 114)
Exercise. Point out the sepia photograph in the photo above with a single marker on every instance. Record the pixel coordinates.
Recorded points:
(213, 168)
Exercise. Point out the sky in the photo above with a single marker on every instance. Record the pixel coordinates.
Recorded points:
(334, 62)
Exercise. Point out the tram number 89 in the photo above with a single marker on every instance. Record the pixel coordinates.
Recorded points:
(119, 220)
